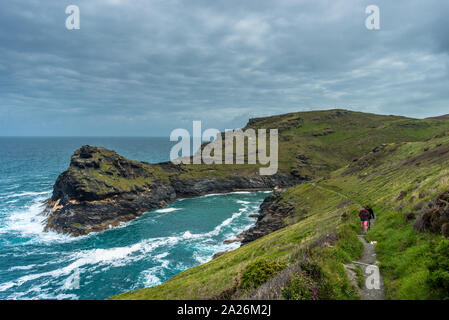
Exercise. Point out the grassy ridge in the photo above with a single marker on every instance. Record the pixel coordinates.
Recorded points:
(398, 182)
(318, 142)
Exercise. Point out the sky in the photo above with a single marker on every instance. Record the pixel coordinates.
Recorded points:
(146, 67)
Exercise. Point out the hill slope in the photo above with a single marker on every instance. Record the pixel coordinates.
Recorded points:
(400, 180)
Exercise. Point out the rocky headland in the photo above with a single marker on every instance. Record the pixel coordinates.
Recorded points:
(102, 189)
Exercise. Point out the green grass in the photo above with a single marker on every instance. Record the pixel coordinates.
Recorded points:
(287, 245)
(320, 146)
(331, 206)
(260, 271)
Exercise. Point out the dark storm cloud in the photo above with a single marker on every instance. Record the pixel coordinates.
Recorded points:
(145, 67)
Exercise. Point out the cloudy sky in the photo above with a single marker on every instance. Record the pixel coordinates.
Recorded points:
(145, 67)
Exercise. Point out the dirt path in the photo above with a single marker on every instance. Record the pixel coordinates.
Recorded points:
(372, 287)
(334, 192)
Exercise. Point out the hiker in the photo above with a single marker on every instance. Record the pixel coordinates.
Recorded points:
(364, 216)
(371, 216)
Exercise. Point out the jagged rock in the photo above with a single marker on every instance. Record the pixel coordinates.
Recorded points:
(270, 219)
(230, 241)
(218, 254)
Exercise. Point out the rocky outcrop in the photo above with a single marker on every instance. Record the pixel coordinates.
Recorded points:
(435, 216)
(271, 218)
(102, 189)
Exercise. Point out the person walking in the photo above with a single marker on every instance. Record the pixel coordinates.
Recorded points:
(364, 216)
(371, 216)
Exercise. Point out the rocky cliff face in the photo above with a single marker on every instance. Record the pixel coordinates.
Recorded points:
(102, 189)
(271, 218)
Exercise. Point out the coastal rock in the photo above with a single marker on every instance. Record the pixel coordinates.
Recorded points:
(101, 189)
(270, 219)
(218, 254)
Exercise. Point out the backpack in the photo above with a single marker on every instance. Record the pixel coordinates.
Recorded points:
(364, 214)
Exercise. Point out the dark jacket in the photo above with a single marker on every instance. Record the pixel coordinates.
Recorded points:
(371, 213)
(364, 215)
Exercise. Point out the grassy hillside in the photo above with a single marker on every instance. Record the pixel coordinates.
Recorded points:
(317, 142)
(396, 179)
(286, 246)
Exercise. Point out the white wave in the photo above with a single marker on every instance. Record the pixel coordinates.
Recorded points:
(36, 293)
(160, 256)
(225, 193)
(120, 255)
(212, 195)
(114, 257)
(149, 277)
(187, 235)
(30, 221)
(205, 253)
(31, 266)
(166, 210)
(60, 296)
(10, 187)
(203, 258)
(27, 194)
(233, 192)
(216, 231)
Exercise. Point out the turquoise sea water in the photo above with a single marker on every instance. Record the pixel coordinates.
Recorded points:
(141, 253)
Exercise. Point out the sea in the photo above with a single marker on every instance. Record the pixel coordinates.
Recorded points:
(141, 253)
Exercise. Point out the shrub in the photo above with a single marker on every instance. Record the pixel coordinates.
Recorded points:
(308, 284)
(259, 272)
(439, 270)
(409, 216)
(348, 246)
(301, 287)
(434, 216)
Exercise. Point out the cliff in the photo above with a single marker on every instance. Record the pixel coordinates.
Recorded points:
(101, 189)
